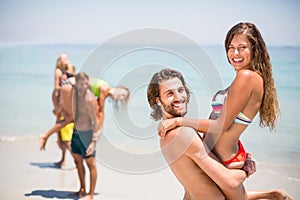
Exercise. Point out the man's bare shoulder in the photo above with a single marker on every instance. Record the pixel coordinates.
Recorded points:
(182, 130)
(180, 135)
(177, 142)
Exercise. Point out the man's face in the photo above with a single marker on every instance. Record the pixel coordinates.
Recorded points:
(173, 98)
(82, 85)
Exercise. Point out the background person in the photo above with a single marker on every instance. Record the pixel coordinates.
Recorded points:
(86, 134)
(101, 90)
(63, 70)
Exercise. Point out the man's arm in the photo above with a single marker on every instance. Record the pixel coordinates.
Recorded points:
(191, 144)
(92, 114)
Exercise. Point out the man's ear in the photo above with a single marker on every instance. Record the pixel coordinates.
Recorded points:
(158, 101)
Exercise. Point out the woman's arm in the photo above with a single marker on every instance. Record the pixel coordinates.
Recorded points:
(57, 76)
(237, 99)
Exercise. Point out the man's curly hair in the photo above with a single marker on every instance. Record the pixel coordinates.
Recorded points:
(153, 89)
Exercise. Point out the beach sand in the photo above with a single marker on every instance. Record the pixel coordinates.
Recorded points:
(27, 173)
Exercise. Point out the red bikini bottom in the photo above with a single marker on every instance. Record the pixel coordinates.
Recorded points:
(239, 157)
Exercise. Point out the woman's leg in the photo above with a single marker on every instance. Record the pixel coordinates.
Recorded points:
(54, 129)
(271, 194)
(186, 195)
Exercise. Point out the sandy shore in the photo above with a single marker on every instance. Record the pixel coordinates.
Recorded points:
(27, 173)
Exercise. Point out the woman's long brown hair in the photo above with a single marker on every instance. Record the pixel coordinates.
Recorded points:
(269, 109)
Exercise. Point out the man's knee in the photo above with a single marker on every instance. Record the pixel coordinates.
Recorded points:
(77, 159)
(91, 163)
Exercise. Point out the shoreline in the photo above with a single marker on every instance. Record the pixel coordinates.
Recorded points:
(28, 173)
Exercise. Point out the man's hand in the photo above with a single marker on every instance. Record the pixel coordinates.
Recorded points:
(165, 126)
(249, 166)
(91, 148)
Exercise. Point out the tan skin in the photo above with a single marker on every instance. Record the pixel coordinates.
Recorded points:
(63, 64)
(86, 120)
(58, 77)
(107, 91)
(67, 112)
(197, 184)
(245, 96)
(88, 114)
(246, 92)
(66, 93)
(66, 105)
(184, 151)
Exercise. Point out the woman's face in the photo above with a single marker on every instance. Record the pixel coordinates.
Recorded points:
(120, 94)
(240, 52)
(64, 59)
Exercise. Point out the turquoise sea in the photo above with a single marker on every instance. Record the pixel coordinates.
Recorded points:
(26, 83)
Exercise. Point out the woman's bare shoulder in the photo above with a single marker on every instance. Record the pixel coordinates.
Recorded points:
(248, 75)
(247, 79)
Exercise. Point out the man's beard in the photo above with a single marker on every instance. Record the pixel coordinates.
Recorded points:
(81, 92)
(175, 113)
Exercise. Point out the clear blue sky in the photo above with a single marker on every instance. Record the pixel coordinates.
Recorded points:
(94, 21)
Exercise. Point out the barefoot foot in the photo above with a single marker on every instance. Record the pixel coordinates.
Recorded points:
(61, 164)
(43, 141)
(80, 193)
(87, 197)
(282, 195)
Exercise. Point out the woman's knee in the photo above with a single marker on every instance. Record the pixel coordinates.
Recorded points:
(186, 196)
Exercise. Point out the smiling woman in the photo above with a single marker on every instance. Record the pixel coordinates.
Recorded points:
(252, 91)
(239, 51)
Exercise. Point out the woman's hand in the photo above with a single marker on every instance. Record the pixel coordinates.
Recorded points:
(167, 125)
(56, 92)
(249, 166)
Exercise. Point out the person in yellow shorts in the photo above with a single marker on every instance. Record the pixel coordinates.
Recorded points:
(101, 89)
(64, 142)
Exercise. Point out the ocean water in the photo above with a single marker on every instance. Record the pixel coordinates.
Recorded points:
(26, 84)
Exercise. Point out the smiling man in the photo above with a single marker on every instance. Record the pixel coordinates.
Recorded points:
(200, 174)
